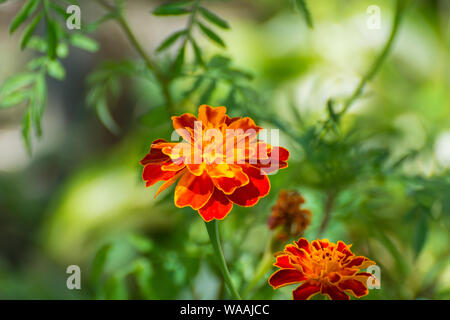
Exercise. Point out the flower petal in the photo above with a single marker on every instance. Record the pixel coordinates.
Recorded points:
(193, 191)
(169, 182)
(302, 243)
(283, 262)
(355, 287)
(305, 291)
(229, 184)
(152, 173)
(245, 124)
(217, 207)
(285, 277)
(334, 292)
(212, 117)
(184, 126)
(278, 157)
(155, 154)
(359, 262)
(257, 187)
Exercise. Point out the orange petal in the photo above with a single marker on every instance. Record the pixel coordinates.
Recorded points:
(169, 182)
(277, 160)
(305, 291)
(355, 287)
(345, 249)
(244, 124)
(285, 277)
(258, 187)
(302, 243)
(283, 262)
(334, 292)
(229, 185)
(152, 173)
(212, 117)
(155, 154)
(196, 169)
(359, 262)
(184, 126)
(193, 191)
(172, 166)
(217, 207)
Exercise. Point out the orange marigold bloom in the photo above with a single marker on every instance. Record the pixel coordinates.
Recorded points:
(220, 162)
(321, 266)
(288, 214)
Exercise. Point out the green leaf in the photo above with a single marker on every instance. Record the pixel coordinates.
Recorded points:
(52, 39)
(212, 17)
(143, 272)
(116, 288)
(39, 102)
(25, 12)
(205, 98)
(29, 31)
(99, 263)
(56, 70)
(37, 44)
(62, 50)
(83, 42)
(179, 60)
(142, 244)
(219, 62)
(421, 233)
(170, 40)
(171, 9)
(14, 99)
(303, 8)
(16, 82)
(26, 128)
(197, 52)
(198, 82)
(105, 116)
(210, 34)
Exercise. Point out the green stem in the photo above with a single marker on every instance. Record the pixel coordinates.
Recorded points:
(213, 232)
(400, 8)
(164, 82)
(264, 265)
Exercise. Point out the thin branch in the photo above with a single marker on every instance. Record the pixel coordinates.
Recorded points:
(163, 81)
(328, 208)
(400, 8)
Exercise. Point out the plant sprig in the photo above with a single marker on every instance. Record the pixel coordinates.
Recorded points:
(30, 87)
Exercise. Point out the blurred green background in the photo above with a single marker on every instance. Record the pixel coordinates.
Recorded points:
(79, 198)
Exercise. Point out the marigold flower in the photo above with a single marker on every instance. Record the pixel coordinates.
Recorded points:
(321, 266)
(220, 162)
(288, 214)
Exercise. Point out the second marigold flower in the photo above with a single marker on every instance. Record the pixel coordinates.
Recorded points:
(321, 267)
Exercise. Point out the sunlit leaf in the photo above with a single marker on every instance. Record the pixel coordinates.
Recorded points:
(211, 35)
(99, 263)
(30, 30)
(170, 40)
(212, 17)
(301, 6)
(83, 42)
(25, 12)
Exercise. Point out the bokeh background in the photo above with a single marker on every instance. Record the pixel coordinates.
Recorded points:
(78, 199)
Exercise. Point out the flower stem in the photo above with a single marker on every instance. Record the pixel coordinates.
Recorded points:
(213, 232)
